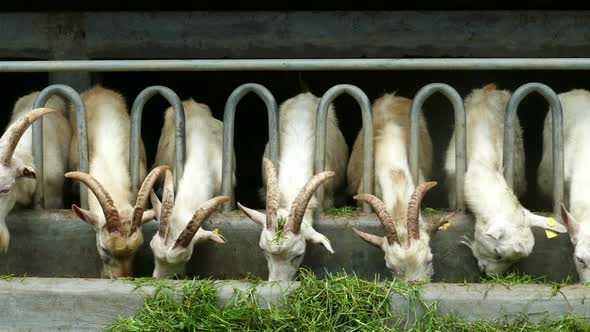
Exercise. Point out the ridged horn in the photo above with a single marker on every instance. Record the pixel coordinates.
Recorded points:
(167, 206)
(15, 131)
(300, 203)
(113, 222)
(272, 194)
(414, 209)
(383, 215)
(207, 209)
(143, 194)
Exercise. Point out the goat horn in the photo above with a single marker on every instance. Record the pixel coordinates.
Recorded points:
(272, 195)
(15, 131)
(414, 209)
(383, 215)
(143, 194)
(185, 238)
(167, 206)
(300, 203)
(113, 222)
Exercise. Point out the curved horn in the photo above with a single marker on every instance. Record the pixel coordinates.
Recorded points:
(15, 131)
(113, 222)
(143, 194)
(167, 206)
(384, 216)
(272, 195)
(300, 203)
(414, 209)
(185, 238)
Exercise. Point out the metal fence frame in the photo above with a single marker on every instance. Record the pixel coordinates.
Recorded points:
(65, 92)
(309, 64)
(321, 133)
(557, 137)
(460, 140)
(229, 115)
(179, 134)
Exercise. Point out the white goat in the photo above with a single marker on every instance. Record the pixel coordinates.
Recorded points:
(406, 245)
(116, 221)
(17, 168)
(576, 120)
(502, 225)
(290, 199)
(180, 218)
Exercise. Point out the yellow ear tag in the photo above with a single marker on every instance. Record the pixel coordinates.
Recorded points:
(551, 222)
(444, 226)
(550, 234)
(216, 231)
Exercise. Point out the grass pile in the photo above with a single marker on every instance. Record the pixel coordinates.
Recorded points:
(338, 302)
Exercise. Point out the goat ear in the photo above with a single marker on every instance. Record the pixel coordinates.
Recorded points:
(536, 220)
(25, 171)
(256, 216)
(571, 224)
(87, 216)
(148, 216)
(371, 239)
(203, 235)
(316, 237)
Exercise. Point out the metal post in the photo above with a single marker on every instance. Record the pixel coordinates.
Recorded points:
(179, 137)
(70, 94)
(460, 142)
(228, 132)
(321, 133)
(557, 135)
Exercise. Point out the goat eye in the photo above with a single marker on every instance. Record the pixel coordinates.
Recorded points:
(498, 255)
(581, 261)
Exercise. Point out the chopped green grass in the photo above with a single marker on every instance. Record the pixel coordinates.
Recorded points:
(339, 302)
(346, 211)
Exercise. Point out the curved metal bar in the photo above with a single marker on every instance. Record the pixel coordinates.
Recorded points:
(460, 139)
(557, 137)
(179, 135)
(321, 133)
(228, 132)
(70, 94)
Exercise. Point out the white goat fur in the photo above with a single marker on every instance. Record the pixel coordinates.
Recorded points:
(297, 129)
(502, 225)
(393, 182)
(56, 141)
(576, 121)
(200, 182)
(108, 126)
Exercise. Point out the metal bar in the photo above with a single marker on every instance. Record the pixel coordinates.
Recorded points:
(557, 137)
(228, 132)
(321, 133)
(179, 136)
(70, 94)
(460, 142)
(297, 64)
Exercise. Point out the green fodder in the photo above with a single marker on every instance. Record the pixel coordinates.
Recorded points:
(339, 302)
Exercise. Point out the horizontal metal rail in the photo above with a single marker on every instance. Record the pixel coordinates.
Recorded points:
(557, 137)
(460, 139)
(297, 64)
(179, 134)
(70, 94)
(321, 133)
(229, 115)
